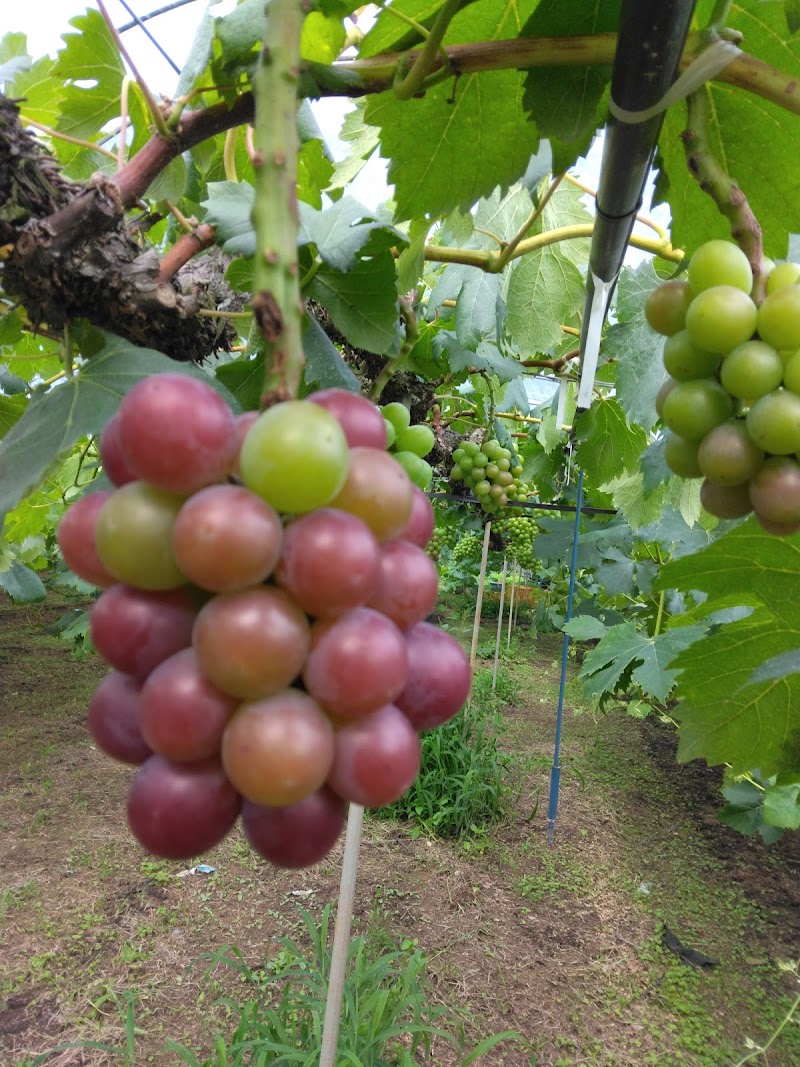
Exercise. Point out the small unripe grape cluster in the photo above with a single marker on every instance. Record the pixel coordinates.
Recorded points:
(266, 583)
(466, 548)
(409, 444)
(491, 471)
(442, 537)
(520, 531)
(731, 403)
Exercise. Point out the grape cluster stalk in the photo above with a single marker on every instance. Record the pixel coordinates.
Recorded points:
(265, 586)
(731, 403)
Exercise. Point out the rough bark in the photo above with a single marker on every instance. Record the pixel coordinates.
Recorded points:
(71, 254)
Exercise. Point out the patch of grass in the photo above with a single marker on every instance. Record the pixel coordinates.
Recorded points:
(466, 782)
(558, 873)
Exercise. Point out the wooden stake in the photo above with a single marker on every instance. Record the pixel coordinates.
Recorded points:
(499, 624)
(514, 574)
(479, 602)
(341, 936)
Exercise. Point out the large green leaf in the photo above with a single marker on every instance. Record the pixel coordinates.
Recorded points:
(635, 347)
(23, 585)
(753, 139)
(481, 115)
(565, 101)
(608, 445)
(545, 290)
(82, 405)
(625, 645)
(725, 717)
(362, 302)
(389, 32)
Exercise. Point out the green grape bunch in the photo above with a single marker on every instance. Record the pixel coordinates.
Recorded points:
(442, 537)
(491, 471)
(520, 532)
(467, 548)
(409, 444)
(731, 403)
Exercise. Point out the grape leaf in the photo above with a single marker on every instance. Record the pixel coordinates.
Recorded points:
(515, 398)
(88, 55)
(82, 405)
(199, 53)
(362, 302)
(753, 139)
(502, 215)
(12, 408)
(565, 102)
(486, 358)
(389, 32)
(314, 171)
(324, 364)
(782, 805)
(363, 140)
(481, 111)
(777, 667)
(635, 347)
(240, 33)
(22, 584)
(625, 645)
(545, 290)
(343, 230)
(745, 811)
(607, 444)
(40, 91)
(322, 37)
(724, 715)
(245, 379)
(228, 208)
(475, 293)
(585, 628)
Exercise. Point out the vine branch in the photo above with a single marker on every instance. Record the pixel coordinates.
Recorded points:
(277, 304)
(721, 187)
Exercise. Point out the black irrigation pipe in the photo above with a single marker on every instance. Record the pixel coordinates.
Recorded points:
(526, 504)
(139, 19)
(140, 23)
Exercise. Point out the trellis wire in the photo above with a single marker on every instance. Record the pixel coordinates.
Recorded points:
(139, 22)
(139, 19)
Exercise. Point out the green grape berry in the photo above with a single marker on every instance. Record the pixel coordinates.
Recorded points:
(680, 456)
(693, 408)
(417, 439)
(773, 422)
(778, 320)
(685, 361)
(722, 317)
(398, 415)
(418, 471)
(783, 275)
(391, 433)
(720, 263)
(751, 370)
(665, 308)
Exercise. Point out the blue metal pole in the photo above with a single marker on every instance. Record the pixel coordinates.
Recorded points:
(555, 773)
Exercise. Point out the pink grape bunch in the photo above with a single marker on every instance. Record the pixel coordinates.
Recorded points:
(265, 590)
(731, 402)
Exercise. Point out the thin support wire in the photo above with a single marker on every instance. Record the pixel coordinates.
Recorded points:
(140, 23)
(139, 19)
(555, 773)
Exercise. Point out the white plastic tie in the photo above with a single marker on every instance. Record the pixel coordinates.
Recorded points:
(594, 333)
(702, 69)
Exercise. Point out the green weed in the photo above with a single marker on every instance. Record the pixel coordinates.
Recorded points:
(466, 781)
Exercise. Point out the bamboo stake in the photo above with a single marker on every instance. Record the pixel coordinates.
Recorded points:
(479, 602)
(341, 936)
(514, 576)
(499, 623)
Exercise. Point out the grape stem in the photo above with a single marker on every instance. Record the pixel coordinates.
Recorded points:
(395, 362)
(277, 305)
(721, 187)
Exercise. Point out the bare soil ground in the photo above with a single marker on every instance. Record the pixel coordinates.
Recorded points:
(563, 945)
